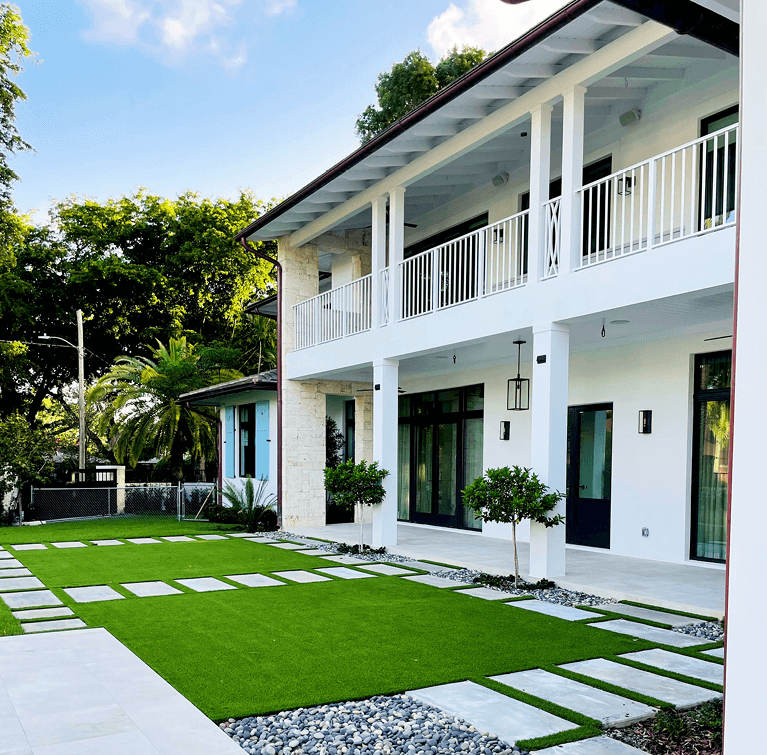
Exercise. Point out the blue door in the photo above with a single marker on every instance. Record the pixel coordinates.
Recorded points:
(229, 441)
(262, 440)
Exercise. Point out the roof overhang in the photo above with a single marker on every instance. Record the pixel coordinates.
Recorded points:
(211, 396)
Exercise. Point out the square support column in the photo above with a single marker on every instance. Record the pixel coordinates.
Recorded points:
(540, 176)
(572, 178)
(396, 250)
(548, 444)
(385, 437)
(378, 259)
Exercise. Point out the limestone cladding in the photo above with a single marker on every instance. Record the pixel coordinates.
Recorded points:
(363, 437)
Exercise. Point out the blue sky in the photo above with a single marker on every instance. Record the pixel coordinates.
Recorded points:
(218, 95)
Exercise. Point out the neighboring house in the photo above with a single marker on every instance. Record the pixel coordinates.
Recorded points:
(576, 192)
(248, 427)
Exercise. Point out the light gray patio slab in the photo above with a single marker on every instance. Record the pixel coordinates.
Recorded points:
(345, 559)
(432, 568)
(10, 563)
(491, 711)
(254, 580)
(240, 534)
(301, 576)
(611, 710)
(29, 547)
(205, 584)
(69, 544)
(431, 580)
(388, 570)
(179, 539)
(52, 626)
(127, 743)
(4, 555)
(287, 546)
(716, 652)
(653, 634)
(486, 593)
(661, 617)
(150, 589)
(679, 664)
(20, 583)
(142, 540)
(344, 573)
(42, 613)
(94, 594)
(20, 572)
(679, 694)
(255, 539)
(593, 746)
(210, 537)
(107, 542)
(568, 613)
(315, 552)
(33, 599)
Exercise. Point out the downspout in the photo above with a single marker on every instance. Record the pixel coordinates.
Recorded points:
(278, 269)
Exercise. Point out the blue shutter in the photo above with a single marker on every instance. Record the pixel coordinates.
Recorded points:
(262, 440)
(229, 441)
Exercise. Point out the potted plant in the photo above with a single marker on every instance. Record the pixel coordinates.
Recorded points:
(511, 495)
(356, 485)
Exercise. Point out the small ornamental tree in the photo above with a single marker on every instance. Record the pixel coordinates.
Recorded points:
(352, 485)
(512, 495)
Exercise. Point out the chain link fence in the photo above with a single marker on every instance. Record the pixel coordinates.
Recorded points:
(195, 496)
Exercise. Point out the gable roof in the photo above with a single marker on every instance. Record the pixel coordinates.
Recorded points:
(210, 396)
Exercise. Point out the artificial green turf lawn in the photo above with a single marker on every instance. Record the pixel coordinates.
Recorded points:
(104, 529)
(8, 623)
(265, 649)
(112, 564)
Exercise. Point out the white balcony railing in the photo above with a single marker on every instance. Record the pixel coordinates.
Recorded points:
(685, 192)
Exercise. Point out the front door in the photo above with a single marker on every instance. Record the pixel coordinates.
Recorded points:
(589, 474)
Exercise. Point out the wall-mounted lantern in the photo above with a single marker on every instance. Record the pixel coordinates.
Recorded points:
(518, 390)
(645, 421)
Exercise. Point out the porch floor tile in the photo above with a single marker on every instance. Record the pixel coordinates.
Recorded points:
(568, 613)
(593, 746)
(679, 694)
(28, 547)
(94, 594)
(53, 626)
(488, 710)
(430, 579)
(611, 710)
(205, 584)
(661, 617)
(387, 569)
(344, 573)
(680, 664)
(150, 589)
(654, 634)
(254, 580)
(301, 576)
(33, 599)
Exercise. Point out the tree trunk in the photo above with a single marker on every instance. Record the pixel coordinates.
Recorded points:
(516, 558)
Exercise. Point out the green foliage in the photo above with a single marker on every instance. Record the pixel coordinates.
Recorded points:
(353, 484)
(504, 583)
(25, 453)
(410, 83)
(142, 412)
(334, 443)
(253, 508)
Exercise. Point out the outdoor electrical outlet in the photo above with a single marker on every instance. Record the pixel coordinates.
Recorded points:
(645, 532)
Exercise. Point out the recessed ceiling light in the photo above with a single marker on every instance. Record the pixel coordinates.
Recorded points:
(619, 322)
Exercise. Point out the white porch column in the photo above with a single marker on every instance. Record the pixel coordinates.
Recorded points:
(572, 177)
(746, 649)
(385, 432)
(396, 250)
(540, 176)
(378, 257)
(548, 443)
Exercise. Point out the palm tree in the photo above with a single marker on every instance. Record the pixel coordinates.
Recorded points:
(143, 413)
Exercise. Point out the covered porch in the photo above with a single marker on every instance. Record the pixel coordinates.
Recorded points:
(680, 587)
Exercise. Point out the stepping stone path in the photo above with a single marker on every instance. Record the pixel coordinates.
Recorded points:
(205, 584)
(314, 552)
(10, 563)
(71, 544)
(20, 572)
(301, 576)
(348, 560)
(150, 589)
(434, 568)
(53, 626)
(28, 547)
(94, 594)
(42, 613)
(568, 613)
(387, 570)
(611, 710)
(486, 593)
(488, 710)
(179, 539)
(254, 580)
(20, 583)
(679, 664)
(32, 599)
(594, 746)
(5, 555)
(241, 534)
(680, 694)
(107, 542)
(661, 617)
(210, 537)
(653, 634)
(287, 546)
(430, 579)
(344, 573)
(142, 540)
(716, 652)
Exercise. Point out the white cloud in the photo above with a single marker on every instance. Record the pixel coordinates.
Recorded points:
(237, 60)
(116, 20)
(276, 7)
(490, 24)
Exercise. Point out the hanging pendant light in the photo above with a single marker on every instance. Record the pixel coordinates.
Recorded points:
(518, 391)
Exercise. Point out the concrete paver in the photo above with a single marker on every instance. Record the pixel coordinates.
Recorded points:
(210, 537)
(593, 746)
(568, 613)
(94, 594)
(301, 576)
(69, 544)
(42, 613)
(486, 593)
(254, 580)
(31, 599)
(344, 573)
(20, 583)
(142, 540)
(345, 559)
(315, 552)
(52, 626)
(4, 555)
(388, 570)
(488, 710)
(10, 563)
(287, 546)
(29, 547)
(679, 694)
(716, 652)
(20, 572)
(611, 710)
(205, 584)
(178, 539)
(430, 579)
(679, 664)
(661, 617)
(654, 634)
(150, 589)
(107, 542)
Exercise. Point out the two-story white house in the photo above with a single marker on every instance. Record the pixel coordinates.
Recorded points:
(568, 206)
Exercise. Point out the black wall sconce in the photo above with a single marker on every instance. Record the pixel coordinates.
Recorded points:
(645, 421)
(625, 185)
(518, 390)
(505, 430)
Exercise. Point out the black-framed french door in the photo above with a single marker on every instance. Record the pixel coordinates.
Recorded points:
(589, 475)
(440, 452)
(711, 452)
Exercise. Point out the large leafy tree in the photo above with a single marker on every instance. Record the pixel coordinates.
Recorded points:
(142, 413)
(410, 83)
